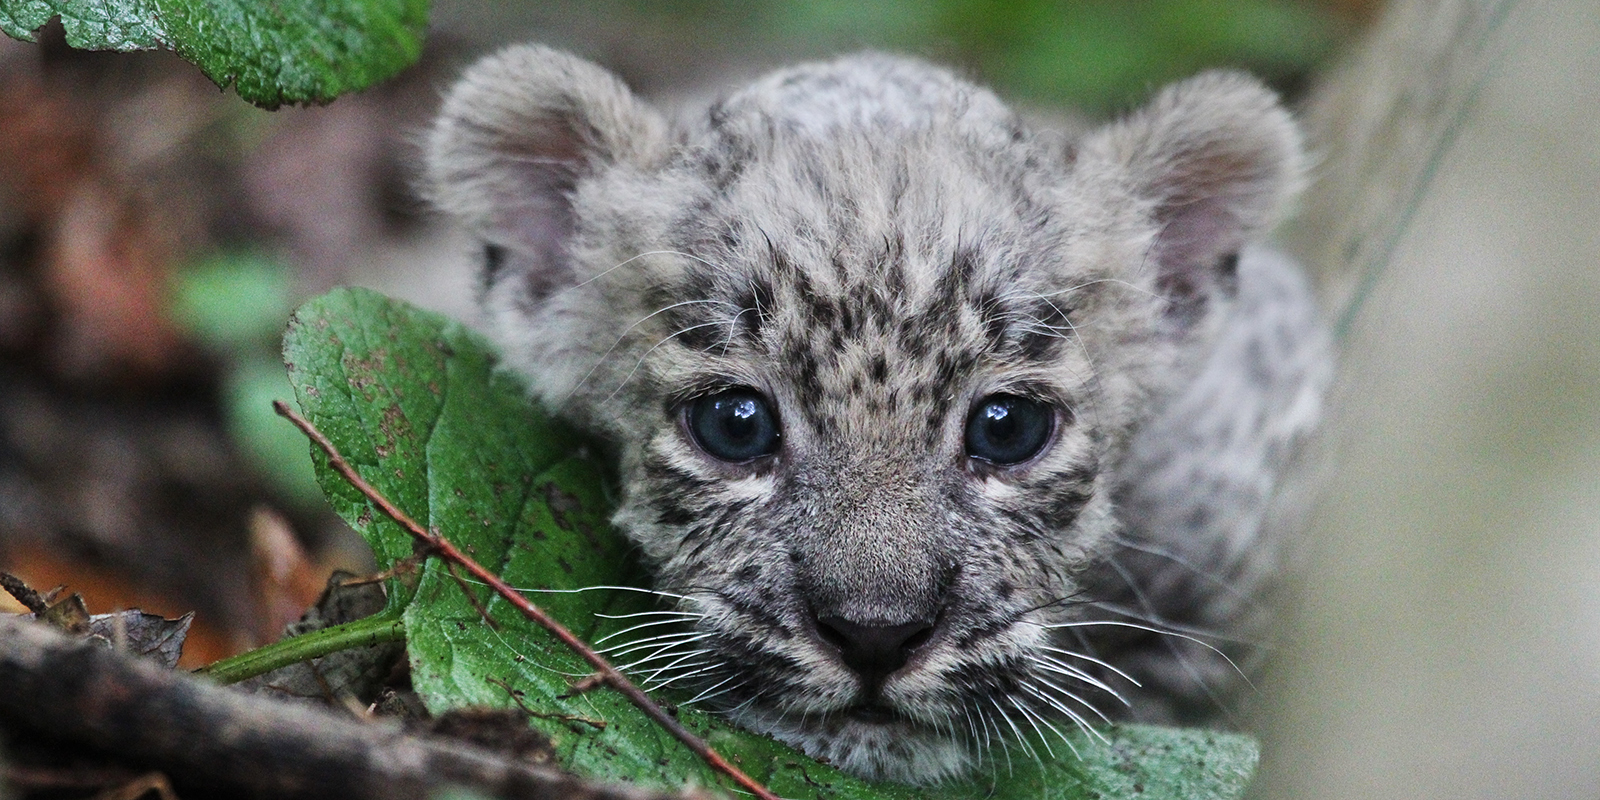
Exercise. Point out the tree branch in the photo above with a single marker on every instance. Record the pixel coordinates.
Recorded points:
(444, 549)
(213, 740)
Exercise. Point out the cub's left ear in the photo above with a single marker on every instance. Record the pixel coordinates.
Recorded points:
(1213, 161)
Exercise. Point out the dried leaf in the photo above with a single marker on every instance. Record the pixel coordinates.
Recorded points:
(134, 631)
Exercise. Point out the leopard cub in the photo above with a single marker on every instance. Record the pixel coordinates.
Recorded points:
(942, 428)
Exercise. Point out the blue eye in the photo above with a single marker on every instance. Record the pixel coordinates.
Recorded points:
(1006, 429)
(735, 425)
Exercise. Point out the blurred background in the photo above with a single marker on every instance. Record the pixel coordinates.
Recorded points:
(155, 233)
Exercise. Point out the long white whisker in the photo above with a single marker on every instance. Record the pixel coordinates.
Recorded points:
(1077, 719)
(664, 652)
(653, 672)
(641, 626)
(1184, 662)
(1052, 664)
(1005, 747)
(1074, 697)
(655, 679)
(702, 695)
(1136, 626)
(596, 588)
(1020, 739)
(663, 641)
(688, 614)
(1091, 659)
(1178, 627)
(972, 728)
(660, 637)
(1031, 719)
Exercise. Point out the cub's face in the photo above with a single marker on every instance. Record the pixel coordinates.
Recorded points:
(868, 350)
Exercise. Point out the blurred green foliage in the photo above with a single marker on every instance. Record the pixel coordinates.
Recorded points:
(1093, 55)
(237, 305)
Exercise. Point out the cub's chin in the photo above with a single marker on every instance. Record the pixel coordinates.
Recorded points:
(872, 743)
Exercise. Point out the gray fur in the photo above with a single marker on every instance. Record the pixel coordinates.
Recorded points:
(875, 245)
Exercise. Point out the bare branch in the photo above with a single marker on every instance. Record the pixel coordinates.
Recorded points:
(213, 740)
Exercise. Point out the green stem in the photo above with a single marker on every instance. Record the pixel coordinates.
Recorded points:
(376, 629)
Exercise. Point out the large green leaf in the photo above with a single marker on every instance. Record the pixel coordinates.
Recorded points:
(285, 51)
(415, 402)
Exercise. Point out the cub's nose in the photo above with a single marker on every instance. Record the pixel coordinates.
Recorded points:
(873, 651)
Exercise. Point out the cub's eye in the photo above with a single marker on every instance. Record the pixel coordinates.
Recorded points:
(1006, 429)
(734, 425)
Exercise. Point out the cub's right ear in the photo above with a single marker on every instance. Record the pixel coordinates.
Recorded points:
(514, 138)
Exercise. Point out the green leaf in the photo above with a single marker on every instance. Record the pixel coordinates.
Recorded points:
(416, 404)
(286, 51)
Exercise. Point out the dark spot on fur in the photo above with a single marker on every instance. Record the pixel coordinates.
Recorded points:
(755, 308)
(674, 513)
(1063, 506)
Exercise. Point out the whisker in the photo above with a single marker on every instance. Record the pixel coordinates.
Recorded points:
(1021, 740)
(664, 640)
(1031, 719)
(624, 337)
(689, 614)
(664, 652)
(641, 626)
(1005, 747)
(711, 667)
(596, 588)
(1151, 629)
(1079, 676)
(1077, 719)
(702, 695)
(1182, 561)
(654, 672)
(1068, 693)
(1158, 620)
(1091, 659)
(653, 348)
(1183, 661)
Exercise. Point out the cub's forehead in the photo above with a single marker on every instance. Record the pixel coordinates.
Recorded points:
(886, 338)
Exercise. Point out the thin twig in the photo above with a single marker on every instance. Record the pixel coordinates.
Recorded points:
(472, 597)
(24, 593)
(442, 547)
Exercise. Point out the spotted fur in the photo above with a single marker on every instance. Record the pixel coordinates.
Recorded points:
(875, 245)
